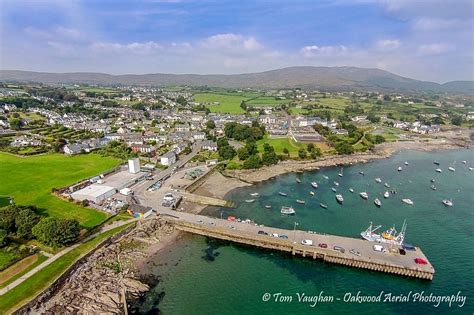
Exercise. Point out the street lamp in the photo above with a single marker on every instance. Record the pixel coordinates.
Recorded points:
(294, 231)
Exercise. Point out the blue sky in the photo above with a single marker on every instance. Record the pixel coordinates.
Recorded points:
(423, 39)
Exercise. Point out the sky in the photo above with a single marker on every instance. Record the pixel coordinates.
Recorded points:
(421, 39)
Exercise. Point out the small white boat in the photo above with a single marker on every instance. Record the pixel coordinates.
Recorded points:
(464, 162)
(471, 168)
(322, 205)
(399, 169)
(333, 189)
(341, 173)
(301, 202)
(452, 169)
(287, 210)
(336, 183)
(378, 180)
(250, 200)
(254, 194)
(364, 195)
(433, 187)
(439, 170)
(386, 194)
(408, 201)
(386, 185)
(377, 202)
(268, 206)
(314, 185)
(339, 198)
(311, 193)
(325, 177)
(283, 194)
(361, 173)
(298, 181)
(447, 203)
(351, 190)
(406, 163)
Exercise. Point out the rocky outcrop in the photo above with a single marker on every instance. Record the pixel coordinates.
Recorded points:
(108, 278)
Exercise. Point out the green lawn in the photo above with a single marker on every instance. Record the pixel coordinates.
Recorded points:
(29, 181)
(37, 262)
(228, 103)
(280, 143)
(267, 100)
(6, 257)
(42, 279)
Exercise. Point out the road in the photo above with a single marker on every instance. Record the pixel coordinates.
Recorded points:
(55, 257)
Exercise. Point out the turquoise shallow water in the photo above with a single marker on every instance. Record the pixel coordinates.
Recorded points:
(236, 277)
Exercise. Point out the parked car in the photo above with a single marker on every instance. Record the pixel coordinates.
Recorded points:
(283, 236)
(339, 249)
(323, 245)
(379, 248)
(355, 252)
(275, 235)
(262, 233)
(421, 261)
(307, 242)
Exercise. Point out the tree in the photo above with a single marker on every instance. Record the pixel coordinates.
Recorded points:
(302, 153)
(15, 123)
(243, 153)
(343, 147)
(56, 232)
(269, 157)
(181, 100)
(25, 220)
(268, 148)
(253, 161)
(373, 118)
(85, 203)
(222, 142)
(227, 152)
(210, 124)
(379, 139)
(457, 120)
(285, 150)
(3, 237)
(7, 218)
(251, 146)
(310, 147)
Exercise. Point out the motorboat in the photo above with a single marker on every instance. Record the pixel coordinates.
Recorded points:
(283, 194)
(399, 169)
(351, 190)
(325, 177)
(341, 174)
(432, 180)
(433, 187)
(435, 162)
(336, 183)
(439, 170)
(378, 180)
(333, 189)
(287, 210)
(377, 202)
(314, 185)
(298, 181)
(471, 168)
(339, 198)
(302, 202)
(254, 194)
(386, 194)
(268, 206)
(406, 163)
(452, 169)
(408, 201)
(361, 173)
(322, 205)
(311, 193)
(464, 162)
(447, 203)
(364, 195)
(250, 200)
(386, 185)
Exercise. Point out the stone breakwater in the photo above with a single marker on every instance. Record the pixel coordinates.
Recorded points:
(106, 279)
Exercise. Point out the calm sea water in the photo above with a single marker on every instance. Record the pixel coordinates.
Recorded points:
(201, 276)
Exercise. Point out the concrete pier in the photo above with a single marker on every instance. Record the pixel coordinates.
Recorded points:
(389, 262)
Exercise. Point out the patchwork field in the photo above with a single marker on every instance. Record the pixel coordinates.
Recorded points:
(29, 181)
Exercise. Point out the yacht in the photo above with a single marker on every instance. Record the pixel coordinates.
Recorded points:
(254, 194)
(301, 202)
(408, 201)
(386, 185)
(364, 195)
(452, 169)
(399, 169)
(439, 170)
(406, 163)
(341, 173)
(447, 203)
(283, 194)
(351, 190)
(314, 185)
(336, 183)
(298, 181)
(322, 205)
(250, 200)
(377, 202)
(339, 198)
(433, 187)
(386, 194)
(333, 189)
(311, 193)
(378, 180)
(287, 210)
(325, 177)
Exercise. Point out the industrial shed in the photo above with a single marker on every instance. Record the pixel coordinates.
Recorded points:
(95, 193)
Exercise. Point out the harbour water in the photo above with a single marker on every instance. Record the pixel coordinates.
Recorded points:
(201, 276)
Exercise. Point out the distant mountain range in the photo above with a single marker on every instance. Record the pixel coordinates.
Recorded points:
(320, 78)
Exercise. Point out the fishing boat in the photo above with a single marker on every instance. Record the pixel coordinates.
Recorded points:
(433, 187)
(399, 169)
(351, 190)
(339, 198)
(447, 203)
(378, 180)
(287, 210)
(322, 205)
(333, 189)
(386, 194)
(298, 181)
(314, 185)
(435, 162)
(282, 194)
(390, 236)
(377, 202)
(268, 206)
(408, 201)
(406, 163)
(341, 173)
(452, 169)
(386, 185)
(364, 195)
(439, 170)
(336, 183)
(325, 177)
(250, 200)
(311, 193)
(361, 173)
(254, 194)
(302, 202)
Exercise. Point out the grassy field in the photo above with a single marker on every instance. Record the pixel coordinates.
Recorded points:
(42, 279)
(267, 101)
(30, 181)
(280, 143)
(15, 271)
(227, 103)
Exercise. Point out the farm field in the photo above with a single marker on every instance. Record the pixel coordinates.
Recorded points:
(228, 103)
(31, 179)
(267, 100)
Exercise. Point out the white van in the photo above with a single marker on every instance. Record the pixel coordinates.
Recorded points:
(307, 242)
(379, 248)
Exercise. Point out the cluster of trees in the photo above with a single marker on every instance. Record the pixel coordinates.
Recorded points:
(225, 150)
(117, 149)
(23, 222)
(241, 132)
(249, 153)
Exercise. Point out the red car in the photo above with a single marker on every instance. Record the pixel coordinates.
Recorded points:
(323, 245)
(421, 261)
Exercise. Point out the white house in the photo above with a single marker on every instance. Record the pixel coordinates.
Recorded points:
(168, 158)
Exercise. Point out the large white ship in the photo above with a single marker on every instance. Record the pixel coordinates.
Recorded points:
(390, 236)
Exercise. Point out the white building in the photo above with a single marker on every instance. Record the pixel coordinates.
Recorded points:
(95, 193)
(134, 166)
(168, 158)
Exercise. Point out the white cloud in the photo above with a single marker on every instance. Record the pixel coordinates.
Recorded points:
(434, 49)
(231, 41)
(136, 48)
(387, 44)
(314, 50)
